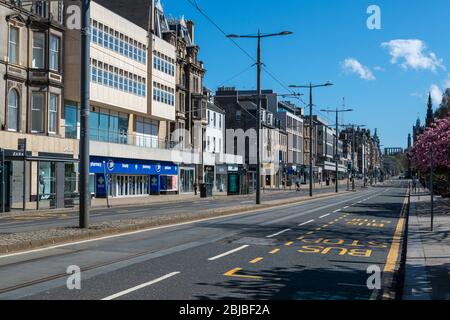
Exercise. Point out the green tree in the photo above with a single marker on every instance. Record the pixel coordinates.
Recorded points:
(444, 108)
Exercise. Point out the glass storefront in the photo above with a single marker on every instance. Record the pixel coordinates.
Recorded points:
(221, 178)
(128, 185)
(187, 178)
(128, 177)
(47, 184)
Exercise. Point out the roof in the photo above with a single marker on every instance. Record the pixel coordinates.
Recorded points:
(213, 107)
(248, 105)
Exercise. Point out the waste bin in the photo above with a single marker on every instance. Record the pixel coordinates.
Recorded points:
(205, 190)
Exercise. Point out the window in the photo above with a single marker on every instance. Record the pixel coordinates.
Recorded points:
(13, 110)
(182, 102)
(38, 50)
(94, 71)
(54, 53)
(37, 112)
(106, 37)
(238, 115)
(13, 45)
(71, 117)
(53, 113)
(94, 32)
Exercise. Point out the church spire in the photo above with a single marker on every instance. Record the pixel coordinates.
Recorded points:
(430, 118)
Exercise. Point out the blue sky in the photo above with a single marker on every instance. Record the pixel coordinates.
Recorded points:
(387, 85)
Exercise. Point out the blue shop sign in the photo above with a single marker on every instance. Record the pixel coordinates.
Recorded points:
(132, 167)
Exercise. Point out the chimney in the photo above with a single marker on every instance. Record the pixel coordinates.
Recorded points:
(191, 29)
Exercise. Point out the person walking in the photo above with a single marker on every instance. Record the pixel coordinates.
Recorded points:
(297, 184)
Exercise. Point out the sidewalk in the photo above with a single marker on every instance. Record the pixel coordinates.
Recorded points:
(427, 270)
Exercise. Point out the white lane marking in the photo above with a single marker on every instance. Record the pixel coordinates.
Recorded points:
(172, 226)
(337, 210)
(278, 233)
(250, 201)
(228, 253)
(325, 215)
(302, 224)
(122, 293)
(346, 207)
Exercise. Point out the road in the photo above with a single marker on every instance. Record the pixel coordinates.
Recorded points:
(315, 250)
(34, 221)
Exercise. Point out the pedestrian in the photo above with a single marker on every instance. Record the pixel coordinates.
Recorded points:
(195, 188)
(297, 184)
(283, 182)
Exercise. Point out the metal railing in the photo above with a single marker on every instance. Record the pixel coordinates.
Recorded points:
(125, 138)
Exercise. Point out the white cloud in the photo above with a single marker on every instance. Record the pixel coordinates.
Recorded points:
(412, 53)
(381, 69)
(436, 94)
(351, 65)
(447, 82)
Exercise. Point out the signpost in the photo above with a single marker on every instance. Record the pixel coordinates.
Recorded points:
(22, 146)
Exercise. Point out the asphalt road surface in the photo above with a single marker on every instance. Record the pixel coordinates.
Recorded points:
(33, 221)
(314, 250)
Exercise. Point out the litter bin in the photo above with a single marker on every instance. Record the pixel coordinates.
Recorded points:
(205, 190)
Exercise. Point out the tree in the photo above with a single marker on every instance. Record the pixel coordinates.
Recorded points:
(430, 117)
(444, 108)
(437, 138)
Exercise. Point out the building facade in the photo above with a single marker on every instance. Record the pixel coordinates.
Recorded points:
(40, 167)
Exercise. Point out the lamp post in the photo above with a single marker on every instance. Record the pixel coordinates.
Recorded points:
(259, 36)
(311, 87)
(84, 116)
(336, 154)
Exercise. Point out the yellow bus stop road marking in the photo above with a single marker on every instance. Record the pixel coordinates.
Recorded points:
(274, 251)
(233, 273)
(256, 260)
(290, 243)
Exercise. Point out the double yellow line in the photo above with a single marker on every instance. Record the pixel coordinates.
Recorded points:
(394, 251)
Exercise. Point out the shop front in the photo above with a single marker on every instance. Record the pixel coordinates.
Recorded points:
(132, 178)
(187, 178)
(221, 178)
(42, 181)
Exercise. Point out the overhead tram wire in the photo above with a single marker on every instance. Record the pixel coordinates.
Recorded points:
(265, 68)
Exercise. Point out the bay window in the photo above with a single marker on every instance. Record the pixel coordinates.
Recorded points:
(54, 53)
(13, 110)
(37, 112)
(38, 61)
(53, 113)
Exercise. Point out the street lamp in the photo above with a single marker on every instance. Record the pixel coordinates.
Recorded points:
(84, 117)
(259, 36)
(311, 87)
(336, 155)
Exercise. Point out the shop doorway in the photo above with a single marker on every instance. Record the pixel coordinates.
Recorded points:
(5, 188)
